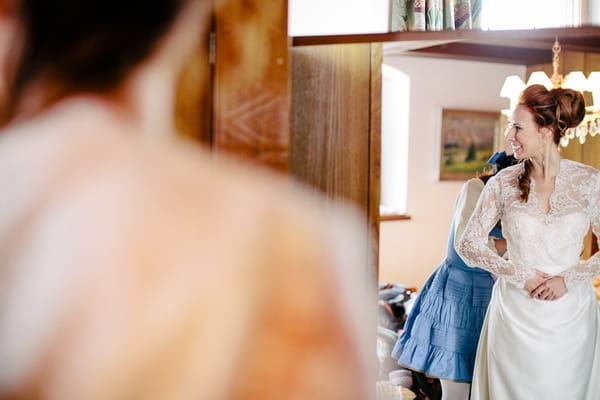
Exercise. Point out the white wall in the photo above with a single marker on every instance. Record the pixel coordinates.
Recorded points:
(411, 249)
(330, 17)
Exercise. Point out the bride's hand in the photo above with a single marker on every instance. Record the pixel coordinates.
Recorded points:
(535, 281)
(551, 289)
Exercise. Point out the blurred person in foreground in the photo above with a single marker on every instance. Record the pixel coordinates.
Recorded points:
(132, 266)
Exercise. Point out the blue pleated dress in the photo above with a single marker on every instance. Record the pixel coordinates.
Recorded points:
(442, 329)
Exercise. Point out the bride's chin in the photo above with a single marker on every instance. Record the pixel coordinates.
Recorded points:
(518, 154)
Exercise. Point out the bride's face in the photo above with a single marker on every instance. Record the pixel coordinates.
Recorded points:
(524, 135)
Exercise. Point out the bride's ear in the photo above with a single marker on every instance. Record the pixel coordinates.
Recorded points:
(547, 133)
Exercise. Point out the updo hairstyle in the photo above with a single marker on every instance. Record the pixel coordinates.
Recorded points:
(558, 109)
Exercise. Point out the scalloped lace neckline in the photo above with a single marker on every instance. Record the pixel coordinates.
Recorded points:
(557, 182)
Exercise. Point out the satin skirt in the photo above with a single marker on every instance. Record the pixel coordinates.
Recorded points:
(533, 349)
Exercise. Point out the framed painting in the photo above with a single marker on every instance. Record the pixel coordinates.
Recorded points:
(467, 142)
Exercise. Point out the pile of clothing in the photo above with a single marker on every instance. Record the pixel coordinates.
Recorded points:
(393, 303)
(395, 382)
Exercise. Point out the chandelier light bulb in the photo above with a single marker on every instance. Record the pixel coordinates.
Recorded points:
(539, 77)
(576, 80)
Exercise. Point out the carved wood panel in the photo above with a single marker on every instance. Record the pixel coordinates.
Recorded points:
(251, 81)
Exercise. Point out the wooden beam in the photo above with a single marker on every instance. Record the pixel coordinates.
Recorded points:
(526, 47)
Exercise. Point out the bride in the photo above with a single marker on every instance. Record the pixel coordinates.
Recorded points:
(541, 335)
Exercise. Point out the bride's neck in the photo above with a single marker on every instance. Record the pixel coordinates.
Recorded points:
(546, 166)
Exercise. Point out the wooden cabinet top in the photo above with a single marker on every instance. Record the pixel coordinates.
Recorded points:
(526, 46)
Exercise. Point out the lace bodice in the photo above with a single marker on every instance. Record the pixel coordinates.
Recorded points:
(550, 242)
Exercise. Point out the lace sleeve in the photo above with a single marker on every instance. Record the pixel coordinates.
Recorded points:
(465, 204)
(591, 267)
(473, 247)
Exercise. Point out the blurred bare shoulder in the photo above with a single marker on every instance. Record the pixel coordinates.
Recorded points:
(189, 263)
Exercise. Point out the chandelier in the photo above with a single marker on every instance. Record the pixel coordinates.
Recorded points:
(514, 85)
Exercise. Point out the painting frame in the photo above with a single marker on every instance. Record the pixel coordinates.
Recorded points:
(468, 139)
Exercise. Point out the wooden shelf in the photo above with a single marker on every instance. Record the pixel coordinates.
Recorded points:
(526, 47)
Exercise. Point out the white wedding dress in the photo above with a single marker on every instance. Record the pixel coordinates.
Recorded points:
(529, 348)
